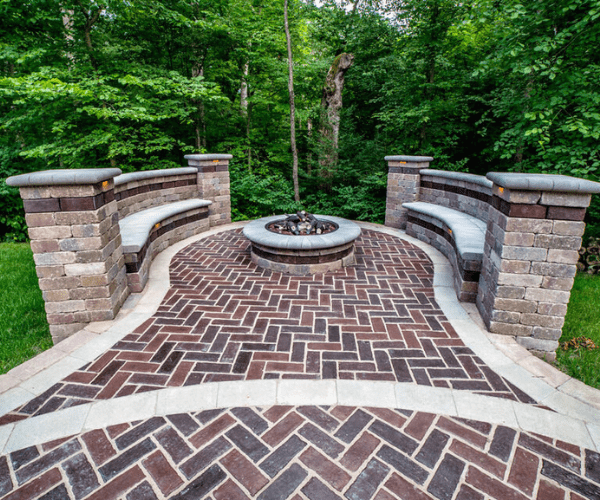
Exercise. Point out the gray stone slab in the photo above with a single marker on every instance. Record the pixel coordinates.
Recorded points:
(151, 174)
(543, 182)
(135, 228)
(208, 157)
(64, 177)
(47, 427)
(458, 176)
(416, 159)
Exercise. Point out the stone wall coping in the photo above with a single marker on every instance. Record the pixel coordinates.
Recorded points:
(543, 182)
(458, 176)
(256, 232)
(65, 177)
(135, 228)
(408, 158)
(468, 231)
(208, 157)
(151, 174)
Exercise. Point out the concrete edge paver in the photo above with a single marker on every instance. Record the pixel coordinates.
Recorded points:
(448, 402)
(575, 403)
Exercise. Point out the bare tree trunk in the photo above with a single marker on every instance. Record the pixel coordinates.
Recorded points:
(309, 126)
(67, 19)
(198, 71)
(292, 105)
(90, 20)
(244, 88)
(331, 103)
(248, 123)
(245, 108)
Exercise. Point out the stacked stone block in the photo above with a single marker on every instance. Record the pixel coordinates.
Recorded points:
(150, 188)
(73, 224)
(403, 186)
(467, 193)
(213, 184)
(530, 256)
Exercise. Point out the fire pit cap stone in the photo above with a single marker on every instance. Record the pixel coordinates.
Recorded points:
(257, 232)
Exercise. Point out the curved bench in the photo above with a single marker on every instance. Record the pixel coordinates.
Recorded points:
(459, 236)
(145, 234)
(156, 209)
(460, 191)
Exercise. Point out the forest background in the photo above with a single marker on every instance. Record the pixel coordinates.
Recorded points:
(480, 85)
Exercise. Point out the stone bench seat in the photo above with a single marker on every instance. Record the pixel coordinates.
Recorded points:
(146, 233)
(459, 236)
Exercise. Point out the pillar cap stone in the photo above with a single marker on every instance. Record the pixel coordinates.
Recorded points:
(208, 157)
(409, 158)
(543, 182)
(73, 176)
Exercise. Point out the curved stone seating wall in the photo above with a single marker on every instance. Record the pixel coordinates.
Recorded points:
(530, 245)
(145, 234)
(467, 193)
(457, 235)
(95, 232)
(141, 190)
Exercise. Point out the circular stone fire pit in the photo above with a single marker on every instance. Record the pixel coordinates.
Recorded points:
(302, 254)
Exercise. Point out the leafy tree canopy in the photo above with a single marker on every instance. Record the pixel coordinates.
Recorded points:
(480, 85)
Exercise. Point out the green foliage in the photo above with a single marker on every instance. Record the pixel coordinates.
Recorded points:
(258, 193)
(479, 85)
(545, 98)
(103, 118)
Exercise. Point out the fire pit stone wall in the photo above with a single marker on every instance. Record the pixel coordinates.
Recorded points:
(303, 254)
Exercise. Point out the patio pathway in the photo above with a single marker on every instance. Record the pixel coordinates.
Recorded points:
(225, 381)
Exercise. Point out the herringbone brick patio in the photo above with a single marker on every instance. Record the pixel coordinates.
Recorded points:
(225, 319)
(306, 452)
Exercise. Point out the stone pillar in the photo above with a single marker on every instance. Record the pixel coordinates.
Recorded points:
(213, 184)
(403, 186)
(530, 256)
(73, 225)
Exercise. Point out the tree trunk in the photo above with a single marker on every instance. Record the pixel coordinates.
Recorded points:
(292, 106)
(309, 126)
(198, 71)
(331, 103)
(67, 19)
(244, 88)
(90, 20)
(248, 124)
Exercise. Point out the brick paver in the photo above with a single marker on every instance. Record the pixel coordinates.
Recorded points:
(322, 453)
(225, 319)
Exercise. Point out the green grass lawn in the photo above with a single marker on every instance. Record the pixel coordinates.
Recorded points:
(24, 331)
(583, 320)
